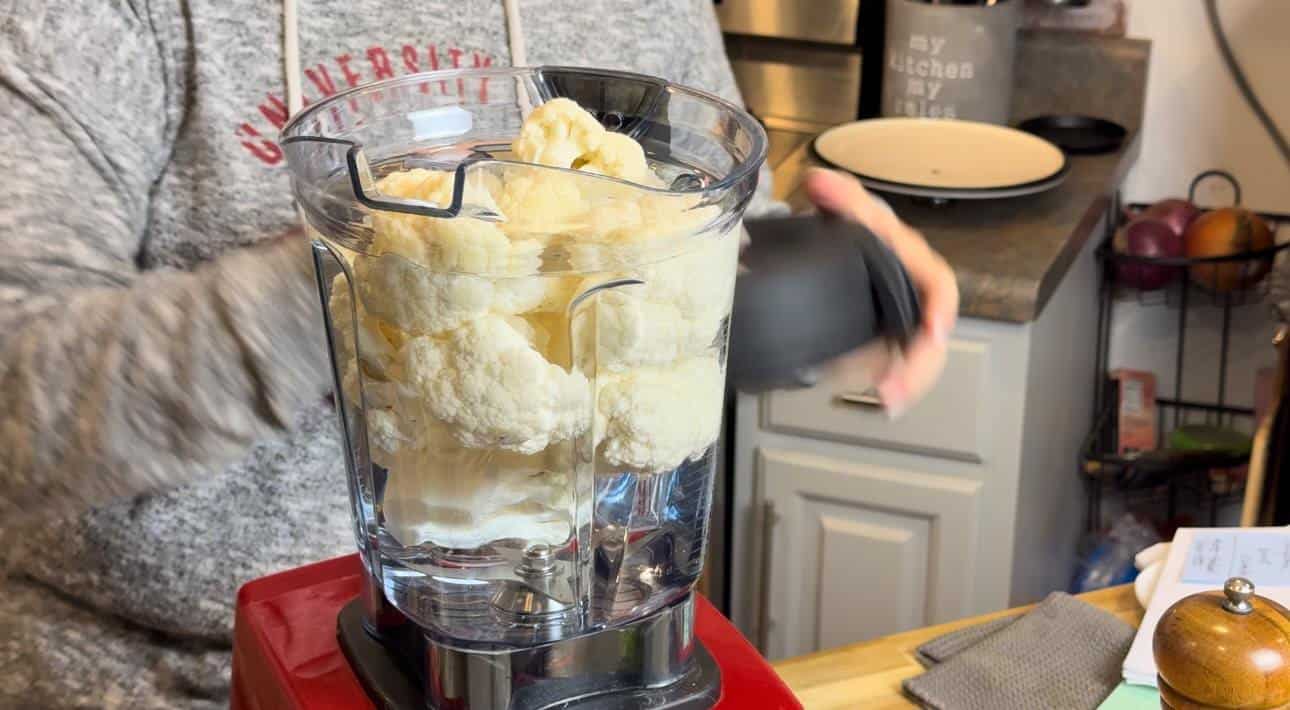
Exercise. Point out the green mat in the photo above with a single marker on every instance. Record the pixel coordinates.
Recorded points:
(1132, 697)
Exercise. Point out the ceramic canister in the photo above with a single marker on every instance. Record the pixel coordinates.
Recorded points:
(950, 60)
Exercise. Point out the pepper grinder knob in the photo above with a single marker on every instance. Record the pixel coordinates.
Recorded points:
(1238, 591)
(1224, 650)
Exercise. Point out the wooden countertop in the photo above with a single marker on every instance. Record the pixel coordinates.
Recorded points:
(869, 674)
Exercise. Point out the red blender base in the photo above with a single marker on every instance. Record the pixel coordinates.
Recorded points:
(285, 652)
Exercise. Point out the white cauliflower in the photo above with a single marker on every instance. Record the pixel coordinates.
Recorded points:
(676, 313)
(652, 419)
(487, 382)
(557, 133)
(471, 405)
(463, 244)
(417, 300)
(430, 275)
(375, 350)
(540, 202)
(383, 433)
(618, 156)
(633, 330)
(701, 280)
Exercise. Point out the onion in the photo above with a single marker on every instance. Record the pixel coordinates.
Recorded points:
(1175, 212)
(1150, 238)
(1221, 232)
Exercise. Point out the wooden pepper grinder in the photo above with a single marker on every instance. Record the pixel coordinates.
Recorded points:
(1224, 650)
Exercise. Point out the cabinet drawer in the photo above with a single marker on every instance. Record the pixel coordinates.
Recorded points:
(950, 421)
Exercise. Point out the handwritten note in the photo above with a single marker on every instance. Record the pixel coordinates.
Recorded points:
(1261, 557)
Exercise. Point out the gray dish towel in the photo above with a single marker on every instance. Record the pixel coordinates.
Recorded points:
(943, 648)
(1062, 655)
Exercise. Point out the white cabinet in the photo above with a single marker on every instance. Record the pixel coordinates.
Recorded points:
(856, 551)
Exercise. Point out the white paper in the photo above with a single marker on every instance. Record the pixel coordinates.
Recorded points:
(1261, 557)
(1202, 559)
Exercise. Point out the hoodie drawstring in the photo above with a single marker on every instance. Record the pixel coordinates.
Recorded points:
(291, 56)
(515, 33)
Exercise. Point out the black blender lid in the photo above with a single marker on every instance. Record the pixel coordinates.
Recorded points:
(815, 288)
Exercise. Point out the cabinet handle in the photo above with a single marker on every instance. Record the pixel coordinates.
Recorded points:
(768, 520)
(868, 399)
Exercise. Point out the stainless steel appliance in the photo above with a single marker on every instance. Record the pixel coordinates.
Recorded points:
(800, 64)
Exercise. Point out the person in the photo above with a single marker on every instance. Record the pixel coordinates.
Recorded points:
(164, 435)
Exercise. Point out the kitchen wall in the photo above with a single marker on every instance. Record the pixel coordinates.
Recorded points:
(1195, 116)
(1196, 120)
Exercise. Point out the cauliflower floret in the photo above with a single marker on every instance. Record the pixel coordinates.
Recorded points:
(676, 313)
(494, 389)
(540, 202)
(436, 284)
(633, 330)
(557, 133)
(383, 432)
(618, 156)
(652, 419)
(375, 349)
(700, 281)
(461, 244)
(417, 300)
(433, 186)
(421, 301)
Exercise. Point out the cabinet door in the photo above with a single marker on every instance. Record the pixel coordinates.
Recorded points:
(856, 551)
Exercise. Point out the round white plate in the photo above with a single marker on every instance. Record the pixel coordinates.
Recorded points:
(943, 158)
(1144, 585)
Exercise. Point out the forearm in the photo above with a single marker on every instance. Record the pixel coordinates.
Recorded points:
(114, 392)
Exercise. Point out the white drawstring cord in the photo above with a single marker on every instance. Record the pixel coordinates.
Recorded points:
(291, 56)
(519, 55)
(515, 33)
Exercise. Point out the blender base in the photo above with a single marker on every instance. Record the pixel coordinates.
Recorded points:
(286, 653)
(655, 662)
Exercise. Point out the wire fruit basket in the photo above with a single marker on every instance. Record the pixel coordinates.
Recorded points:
(1206, 287)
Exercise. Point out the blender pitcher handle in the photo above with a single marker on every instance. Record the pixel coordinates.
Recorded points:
(583, 358)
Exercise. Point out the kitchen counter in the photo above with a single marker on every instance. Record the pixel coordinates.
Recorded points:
(869, 674)
(1010, 255)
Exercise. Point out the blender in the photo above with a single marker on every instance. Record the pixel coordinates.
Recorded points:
(527, 277)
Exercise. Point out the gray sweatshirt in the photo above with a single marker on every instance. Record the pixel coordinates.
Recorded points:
(163, 436)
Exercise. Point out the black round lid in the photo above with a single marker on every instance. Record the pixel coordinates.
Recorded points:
(815, 288)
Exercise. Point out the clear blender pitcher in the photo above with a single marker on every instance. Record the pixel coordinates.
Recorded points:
(527, 310)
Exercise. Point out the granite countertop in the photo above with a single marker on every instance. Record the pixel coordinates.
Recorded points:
(1009, 255)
